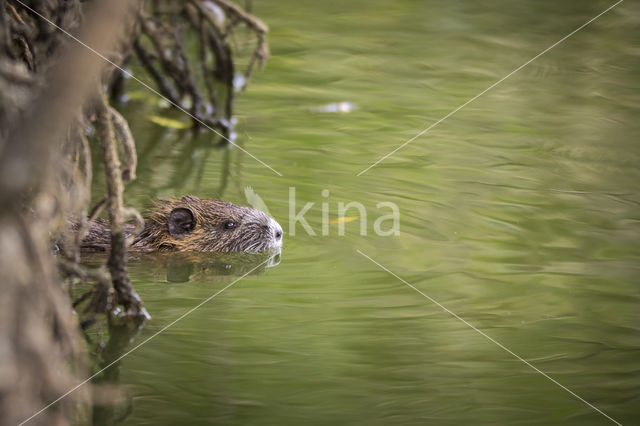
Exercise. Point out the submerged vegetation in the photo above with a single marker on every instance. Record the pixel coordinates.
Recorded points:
(56, 109)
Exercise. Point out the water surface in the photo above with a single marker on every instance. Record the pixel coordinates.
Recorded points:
(519, 213)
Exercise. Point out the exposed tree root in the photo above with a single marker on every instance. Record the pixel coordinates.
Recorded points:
(51, 118)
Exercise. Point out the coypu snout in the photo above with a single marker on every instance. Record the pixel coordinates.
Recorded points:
(192, 224)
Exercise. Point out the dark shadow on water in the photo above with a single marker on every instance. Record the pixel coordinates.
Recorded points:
(112, 403)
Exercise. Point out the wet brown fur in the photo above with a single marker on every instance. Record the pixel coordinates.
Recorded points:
(254, 230)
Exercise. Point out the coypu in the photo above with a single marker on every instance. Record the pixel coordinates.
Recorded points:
(192, 224)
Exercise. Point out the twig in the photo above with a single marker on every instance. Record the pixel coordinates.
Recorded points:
(126, 295)
(125, 137)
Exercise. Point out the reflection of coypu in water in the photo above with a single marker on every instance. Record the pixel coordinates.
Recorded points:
(208, 267)
(192, 224)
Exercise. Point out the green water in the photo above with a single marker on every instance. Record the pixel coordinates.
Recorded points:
(519, 213)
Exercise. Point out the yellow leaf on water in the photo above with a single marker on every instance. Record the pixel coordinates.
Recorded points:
(169, 122)
(345, 219)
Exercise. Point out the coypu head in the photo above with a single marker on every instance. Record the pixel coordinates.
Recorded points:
(192, 224)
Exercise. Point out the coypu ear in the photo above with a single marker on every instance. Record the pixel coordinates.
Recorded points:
(181, 222)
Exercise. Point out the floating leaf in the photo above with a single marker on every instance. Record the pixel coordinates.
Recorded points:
(169, 122)
(344, 219)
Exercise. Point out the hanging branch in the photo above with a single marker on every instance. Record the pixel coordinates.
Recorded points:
(125, 294)
(162, 51)
(237, 14)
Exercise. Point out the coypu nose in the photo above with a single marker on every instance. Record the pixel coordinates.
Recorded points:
(277, 231)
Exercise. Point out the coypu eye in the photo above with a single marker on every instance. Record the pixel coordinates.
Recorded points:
(229, 225)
